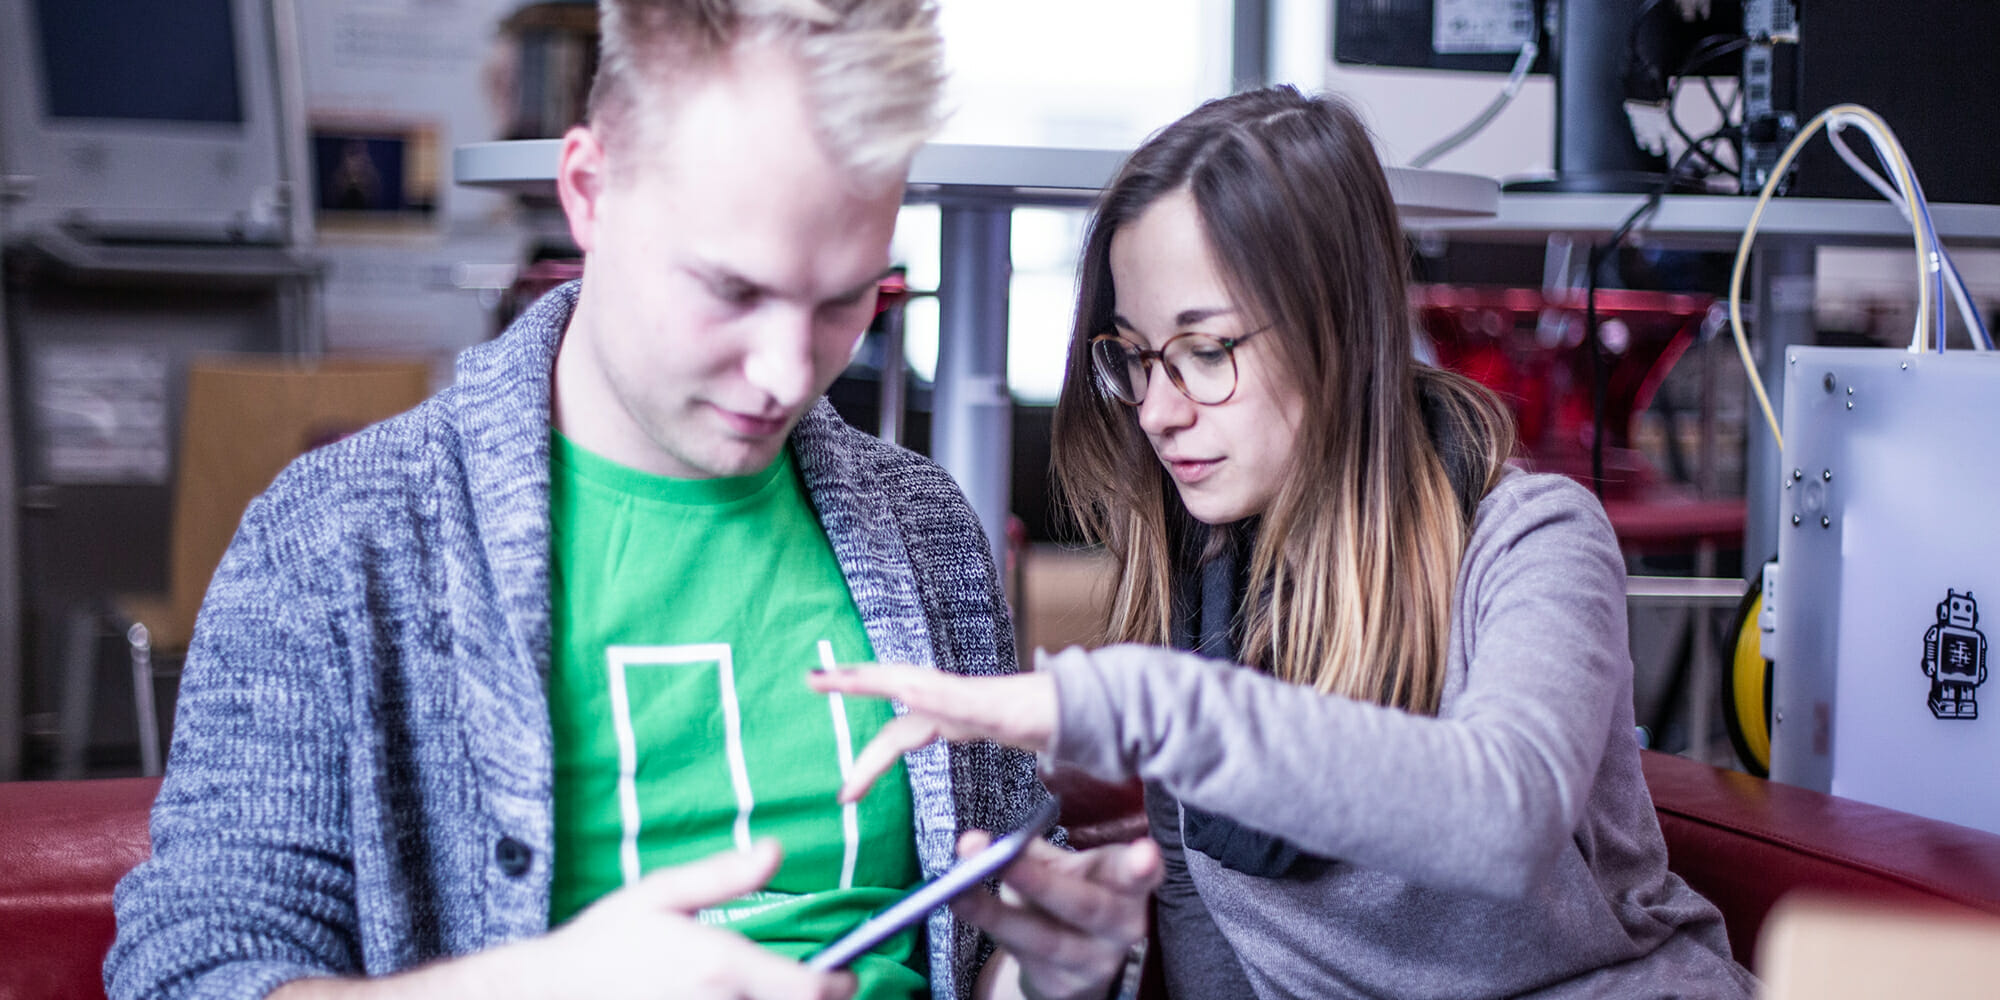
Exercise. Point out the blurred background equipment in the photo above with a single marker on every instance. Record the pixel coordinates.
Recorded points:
(1607, 57)
(1612, 59)
(1533, 350)
(554, 49)
(149, 125)
(152, 158)
(1922, 65)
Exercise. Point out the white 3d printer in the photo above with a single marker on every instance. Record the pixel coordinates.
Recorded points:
(1888, 541)
(1888, 548)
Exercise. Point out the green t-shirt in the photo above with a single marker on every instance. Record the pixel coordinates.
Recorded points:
(687, 614)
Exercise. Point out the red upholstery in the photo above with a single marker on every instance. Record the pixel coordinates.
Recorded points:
(1097, 812)
(1740, 841)
(1743, 842)
(63, 846)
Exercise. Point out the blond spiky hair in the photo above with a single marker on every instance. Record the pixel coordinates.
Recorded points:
(874, 68)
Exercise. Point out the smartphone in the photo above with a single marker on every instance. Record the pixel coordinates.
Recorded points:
(968, 872)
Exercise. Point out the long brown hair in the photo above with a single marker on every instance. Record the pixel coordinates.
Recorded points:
(1357, 556)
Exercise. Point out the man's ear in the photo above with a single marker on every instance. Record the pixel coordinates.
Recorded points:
(580, 182)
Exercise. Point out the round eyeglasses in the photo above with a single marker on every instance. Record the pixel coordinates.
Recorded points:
(1201, 366)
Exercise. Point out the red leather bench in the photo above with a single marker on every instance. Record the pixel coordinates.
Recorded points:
(1741, 841)
(63, 846)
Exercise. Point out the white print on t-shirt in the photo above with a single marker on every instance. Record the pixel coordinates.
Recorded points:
(618, 659)
(843, 743)
(744, 907)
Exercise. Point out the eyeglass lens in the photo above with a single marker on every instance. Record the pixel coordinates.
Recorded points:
(1199, 365)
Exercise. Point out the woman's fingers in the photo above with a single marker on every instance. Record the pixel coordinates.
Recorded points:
(883, 681)
(1018, 710)
(950, 697)
(899, 737)
(1048, 951)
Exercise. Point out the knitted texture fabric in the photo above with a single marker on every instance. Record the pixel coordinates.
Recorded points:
(360, 776)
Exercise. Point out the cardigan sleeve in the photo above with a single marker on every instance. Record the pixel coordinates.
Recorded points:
(251, 880)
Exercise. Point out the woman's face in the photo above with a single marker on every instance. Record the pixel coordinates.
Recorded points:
(1228, 460)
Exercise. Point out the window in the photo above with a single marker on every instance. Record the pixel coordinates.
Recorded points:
(1101, 74)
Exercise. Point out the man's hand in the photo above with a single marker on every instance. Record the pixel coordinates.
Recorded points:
(1064, 921)
(642, 941)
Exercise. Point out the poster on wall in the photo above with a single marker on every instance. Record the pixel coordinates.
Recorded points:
(101, 412)
(392, 86)
(375, 172)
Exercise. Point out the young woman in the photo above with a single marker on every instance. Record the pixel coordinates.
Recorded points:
(1375, 680)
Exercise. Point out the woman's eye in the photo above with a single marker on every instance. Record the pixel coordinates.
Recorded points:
(1209, 355)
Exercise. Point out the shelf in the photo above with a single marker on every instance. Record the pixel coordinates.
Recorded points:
(1718, 220)
(998, 175)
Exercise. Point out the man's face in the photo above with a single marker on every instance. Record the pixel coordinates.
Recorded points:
(729, 268)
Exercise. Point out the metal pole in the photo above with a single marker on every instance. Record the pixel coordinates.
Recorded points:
(1594, 145)
(10, 535)
(139, 639)
(1782, 276)
(1249, 45)
(894, 385)
(972, 413)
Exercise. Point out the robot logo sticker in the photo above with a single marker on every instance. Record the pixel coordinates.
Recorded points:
(1955, 657)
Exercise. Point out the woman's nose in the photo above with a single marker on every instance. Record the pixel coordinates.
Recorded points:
(1164, 408)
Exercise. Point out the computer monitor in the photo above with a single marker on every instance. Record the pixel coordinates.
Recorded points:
(1595, 49)
(1926, 66)
(146, 122)
(1436, 34)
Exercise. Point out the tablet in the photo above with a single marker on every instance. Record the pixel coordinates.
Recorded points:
(914, 907)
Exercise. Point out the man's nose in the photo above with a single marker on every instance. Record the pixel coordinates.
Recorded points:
(780, 360)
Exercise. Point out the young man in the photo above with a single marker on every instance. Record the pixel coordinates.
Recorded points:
(533, 655)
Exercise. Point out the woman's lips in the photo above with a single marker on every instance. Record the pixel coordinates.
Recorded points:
(1189, 471)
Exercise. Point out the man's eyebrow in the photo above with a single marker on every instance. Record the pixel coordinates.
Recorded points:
(717, 274)
(862, 289)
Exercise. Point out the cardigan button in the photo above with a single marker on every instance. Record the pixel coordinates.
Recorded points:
(514, 857)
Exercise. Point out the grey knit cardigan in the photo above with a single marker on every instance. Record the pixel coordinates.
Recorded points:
(360, 774)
